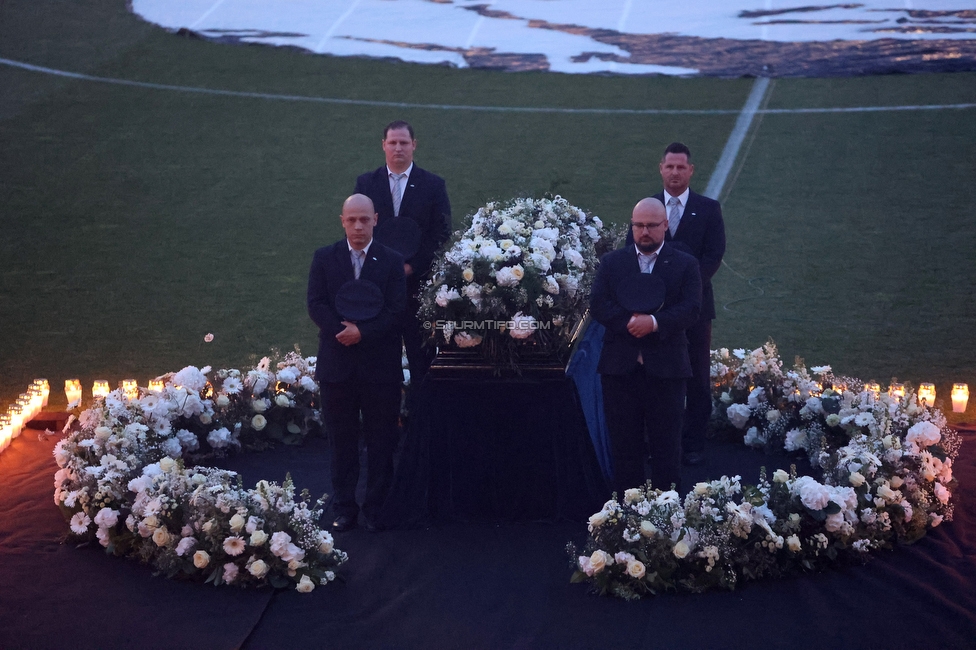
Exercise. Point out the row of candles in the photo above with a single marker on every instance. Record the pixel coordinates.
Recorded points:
(27, 406)
(926, 393)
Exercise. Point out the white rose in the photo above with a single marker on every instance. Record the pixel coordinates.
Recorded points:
(205, 418)
(599, 560)
(856, 479)
(167, 463)
(258, 568)
(201, 559)
(598, 519)
(793, 543)
(781, 476)
(633, 495)
(260, 405)
(223, 401)
(237, 523)
(681, 550)
(648, 529)
(772, 415)
(635, 569)
(258, 422)
(160, 536)
(305, 585)
(258, 538)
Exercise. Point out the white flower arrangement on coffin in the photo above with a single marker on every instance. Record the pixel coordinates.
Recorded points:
(887, 478)
(124, 479)
(516, 278)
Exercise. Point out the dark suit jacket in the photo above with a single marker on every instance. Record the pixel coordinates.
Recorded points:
(377, 357)
(425, 201)
(701, 232)
(664, 352)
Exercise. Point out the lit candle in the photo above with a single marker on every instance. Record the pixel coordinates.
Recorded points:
(897, 390)
(6, 431)
(72, 390)
(16, 420)
(100, 388)
(131, 388)
(873, 387)
(960, 398)
(45, 388)
(926, 394)
(156, 385)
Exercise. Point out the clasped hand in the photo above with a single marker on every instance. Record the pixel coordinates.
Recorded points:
(640, 325)
(350, 335)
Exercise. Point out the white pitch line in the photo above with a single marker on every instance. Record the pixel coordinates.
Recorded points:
(474, 31)
(206, 14)
(335, 26)
(462, 107)
(734, 143)
(624, 15)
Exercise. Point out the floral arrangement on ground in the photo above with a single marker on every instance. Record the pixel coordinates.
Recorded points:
(128, 478)
(886, 463)
(516, 278)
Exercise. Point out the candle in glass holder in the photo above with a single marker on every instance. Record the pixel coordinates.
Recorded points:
(960, 398)
(6, 431)
(72, 391)
(100, 388)
(45, 388)
(897, 390)
(926, 394)
(156, 385)
(131, 388)
(873, 387)
(16, 420)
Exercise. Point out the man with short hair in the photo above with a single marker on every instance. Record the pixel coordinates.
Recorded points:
(358, 366)
(644, 363)
(402, 190)
(695, 222)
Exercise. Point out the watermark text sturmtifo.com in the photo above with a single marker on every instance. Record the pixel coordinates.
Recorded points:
(503, 325)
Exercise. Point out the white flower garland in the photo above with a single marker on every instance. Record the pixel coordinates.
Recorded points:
(124, 480)
(887, 478)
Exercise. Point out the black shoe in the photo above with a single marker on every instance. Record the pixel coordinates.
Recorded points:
(373, 527)
(693, 458)
(343, 523)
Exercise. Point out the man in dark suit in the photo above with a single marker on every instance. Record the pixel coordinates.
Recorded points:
(644, 364)
(358, 366)
(696, 224)
(401, 190)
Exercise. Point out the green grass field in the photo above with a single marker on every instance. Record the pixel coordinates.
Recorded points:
(135, 221)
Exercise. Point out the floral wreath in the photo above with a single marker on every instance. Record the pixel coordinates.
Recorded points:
(128, 478)
(886, 462)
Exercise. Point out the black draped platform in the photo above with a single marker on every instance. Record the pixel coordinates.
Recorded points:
(474, 585)
(484, 448)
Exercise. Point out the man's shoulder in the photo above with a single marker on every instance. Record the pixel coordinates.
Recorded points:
(618, 255)
(419, 174)
(368, 177)
(678, 255)
(703, 202)
(329, 250)
(384, 253)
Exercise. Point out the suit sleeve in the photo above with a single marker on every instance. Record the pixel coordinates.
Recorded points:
(713, 246)
(438, 229)
(681, 314)
(320, 302)
(603, 300)
(394, 303)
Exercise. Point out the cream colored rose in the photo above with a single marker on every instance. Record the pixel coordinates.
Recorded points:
(681, 550)
(237, 523)
(772, 415)
(223, 401)
(635, 569)
(160, 536)
(282, 400)
(793, 543)
(305, 585)
(167, 463)
(897, 482)
(468, 275)
(598, 519)
(205, 418)
(260, 405)
(633, 495)
(833, 420)
(518, 272)
(781, 476)
(258, 568)
(201, 559)
(598, 561)
(258, 422)
(856, 479)
(648, 529)
(701, 488)
(102, 434)
(258, 538)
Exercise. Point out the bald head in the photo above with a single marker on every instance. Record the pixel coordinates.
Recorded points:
(358, 219)
(649, 222)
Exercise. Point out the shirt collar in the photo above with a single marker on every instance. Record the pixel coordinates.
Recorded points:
(365, 249)
(683, 197)
(407, 171)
